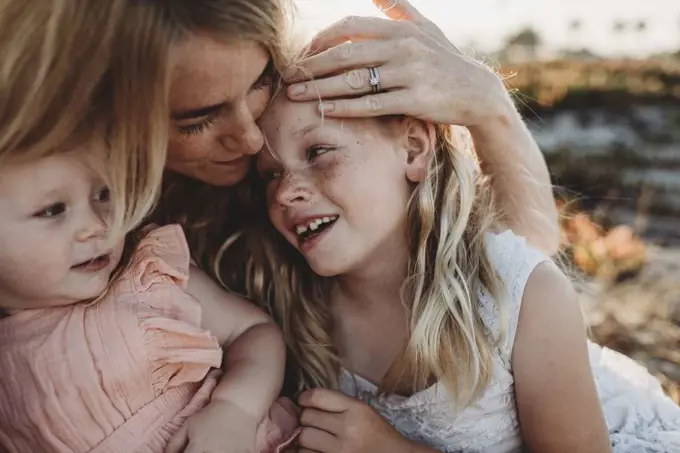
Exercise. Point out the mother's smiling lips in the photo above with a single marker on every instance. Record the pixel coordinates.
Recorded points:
(234, 162)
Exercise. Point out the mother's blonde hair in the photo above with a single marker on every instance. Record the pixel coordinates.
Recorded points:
(73, 69)
(448, 214)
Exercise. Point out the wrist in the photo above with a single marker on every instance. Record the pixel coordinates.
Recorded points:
(501, 118)
(247, 410)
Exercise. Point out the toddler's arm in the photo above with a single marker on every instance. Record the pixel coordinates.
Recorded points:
(557, 402)
(254, 348)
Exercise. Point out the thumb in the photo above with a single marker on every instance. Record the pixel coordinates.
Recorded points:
(399, 10)
(178, 441)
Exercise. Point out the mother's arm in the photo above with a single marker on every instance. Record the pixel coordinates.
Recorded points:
(424, 75)
(520, 179)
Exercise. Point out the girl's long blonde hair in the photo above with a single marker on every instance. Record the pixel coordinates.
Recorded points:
(448, 214)
(72, 69)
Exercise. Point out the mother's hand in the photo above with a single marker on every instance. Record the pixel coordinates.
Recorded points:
(422, 73)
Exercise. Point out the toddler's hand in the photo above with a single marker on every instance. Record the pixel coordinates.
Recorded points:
(220, 427)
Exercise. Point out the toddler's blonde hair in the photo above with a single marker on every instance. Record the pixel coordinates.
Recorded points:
(73, 70)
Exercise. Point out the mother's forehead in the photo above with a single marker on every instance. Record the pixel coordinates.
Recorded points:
(207, 71)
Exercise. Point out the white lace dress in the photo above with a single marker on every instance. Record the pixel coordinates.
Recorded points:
(639, 416)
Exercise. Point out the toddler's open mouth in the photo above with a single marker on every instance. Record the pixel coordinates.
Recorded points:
(95, 264)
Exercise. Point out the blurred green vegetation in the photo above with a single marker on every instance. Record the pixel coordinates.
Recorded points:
(542, 86)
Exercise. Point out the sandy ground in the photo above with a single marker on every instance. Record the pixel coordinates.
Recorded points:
(640, 317)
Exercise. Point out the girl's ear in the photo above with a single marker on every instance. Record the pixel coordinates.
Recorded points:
(420, 143)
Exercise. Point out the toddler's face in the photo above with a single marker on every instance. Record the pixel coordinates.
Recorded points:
(53, 248)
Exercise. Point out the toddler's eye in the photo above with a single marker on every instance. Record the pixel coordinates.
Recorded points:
(103, 195)
(51, 211)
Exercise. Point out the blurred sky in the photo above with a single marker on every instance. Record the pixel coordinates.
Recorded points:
(485, 23)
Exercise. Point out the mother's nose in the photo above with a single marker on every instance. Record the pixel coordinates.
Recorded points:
(242, 133)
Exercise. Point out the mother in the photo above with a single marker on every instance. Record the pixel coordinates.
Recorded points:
(224, 53)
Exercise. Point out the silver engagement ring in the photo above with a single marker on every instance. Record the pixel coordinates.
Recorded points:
(374, 79)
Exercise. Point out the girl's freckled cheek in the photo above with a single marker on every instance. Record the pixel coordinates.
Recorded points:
(333, 169)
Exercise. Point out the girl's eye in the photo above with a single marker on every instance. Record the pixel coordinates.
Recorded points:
(317, 150)
(103, 195)
(195, 129)
(51, 211)
(270, 175)
(266, 78)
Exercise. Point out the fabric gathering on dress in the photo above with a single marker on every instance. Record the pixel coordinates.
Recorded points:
(119, 375)
(639, 416)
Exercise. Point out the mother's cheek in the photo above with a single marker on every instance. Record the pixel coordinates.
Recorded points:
(187, 149)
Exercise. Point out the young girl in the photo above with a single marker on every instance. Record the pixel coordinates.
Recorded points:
(101, 350)
(394, 285)
(89, 366)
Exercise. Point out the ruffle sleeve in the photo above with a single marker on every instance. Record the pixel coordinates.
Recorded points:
(177, 348)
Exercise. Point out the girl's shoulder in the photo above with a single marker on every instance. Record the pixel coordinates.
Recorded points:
(514, 260)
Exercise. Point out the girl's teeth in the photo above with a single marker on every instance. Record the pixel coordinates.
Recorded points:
(313, 226)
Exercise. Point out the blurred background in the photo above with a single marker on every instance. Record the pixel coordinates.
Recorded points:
(598, 81)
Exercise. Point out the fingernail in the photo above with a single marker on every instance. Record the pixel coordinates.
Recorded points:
(326, 107)
(386, 5)
(289, 73)
(314, 47)
(298, 89)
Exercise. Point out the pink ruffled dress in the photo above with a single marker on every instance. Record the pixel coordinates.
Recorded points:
(120, 375)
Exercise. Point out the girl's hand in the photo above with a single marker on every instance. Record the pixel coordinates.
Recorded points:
(422, 73)
(335, 423)
(220, 427)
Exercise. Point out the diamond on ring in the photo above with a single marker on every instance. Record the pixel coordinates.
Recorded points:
(374, 79)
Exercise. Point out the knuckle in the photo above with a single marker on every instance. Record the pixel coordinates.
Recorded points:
(373, 104)
(355, 79)
(312, 396)
(409, 28)
(349, 21)
(353, 432)
(341, 52)
(305, 417)
(420, 70)
(410, 45)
